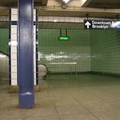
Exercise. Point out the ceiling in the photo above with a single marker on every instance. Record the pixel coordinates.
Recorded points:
(13, 3)
(75, 8)
(112, 4)
(82, 12)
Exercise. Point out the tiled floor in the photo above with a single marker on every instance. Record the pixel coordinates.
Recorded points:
(67, 97)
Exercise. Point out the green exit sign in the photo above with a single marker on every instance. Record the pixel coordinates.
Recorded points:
(63, 38)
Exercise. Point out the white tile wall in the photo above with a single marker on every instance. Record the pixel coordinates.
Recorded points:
(66, 19)
(14, 11)
(60, 19)
(45, 18)
(14, 56)
(13, 36)
(34, 31)
(34, 52)
(14, 75)
(40, 18)
(35, 78)
(76, 19)
(14, 17)
(34, 37)
(14, 63)
(13, 30)
(13, 49)
(49, 18)
(14, 70)
(14, 82)
(13, 43)
(34, 15)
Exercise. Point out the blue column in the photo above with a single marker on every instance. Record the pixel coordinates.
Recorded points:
(25, 54)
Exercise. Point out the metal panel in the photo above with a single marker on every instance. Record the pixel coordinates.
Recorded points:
(25, 54)
(60, 25)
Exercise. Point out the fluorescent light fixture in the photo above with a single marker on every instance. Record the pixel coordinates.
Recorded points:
(66, 1)
(9, 43)
(2, 56)
(13, 43)
(55, 20)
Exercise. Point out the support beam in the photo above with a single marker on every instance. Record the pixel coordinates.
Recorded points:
(44, 2)
(79, 12)
(25, 54)
(4, 11)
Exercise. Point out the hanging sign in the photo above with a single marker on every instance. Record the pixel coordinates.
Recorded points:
(63, 38)
(101, 24)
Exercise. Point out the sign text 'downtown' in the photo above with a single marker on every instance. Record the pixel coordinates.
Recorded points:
(95, 24)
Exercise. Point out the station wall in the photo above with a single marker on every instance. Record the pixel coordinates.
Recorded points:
(94, 50)
(105, 51)
(4, 39)
(54, 52)
(4, 69)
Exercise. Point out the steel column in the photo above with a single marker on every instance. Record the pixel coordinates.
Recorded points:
(25, 54)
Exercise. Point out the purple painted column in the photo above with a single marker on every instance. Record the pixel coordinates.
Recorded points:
(25, 54)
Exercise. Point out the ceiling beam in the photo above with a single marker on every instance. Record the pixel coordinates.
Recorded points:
(83, 9)
(105, 5)
(4, 11)
(84, 3)
(80, 12)
(44, 2)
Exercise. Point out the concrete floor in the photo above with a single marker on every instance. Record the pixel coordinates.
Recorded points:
(67, 97)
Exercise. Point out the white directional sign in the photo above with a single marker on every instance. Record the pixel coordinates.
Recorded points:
(101, 24)
(88, 24)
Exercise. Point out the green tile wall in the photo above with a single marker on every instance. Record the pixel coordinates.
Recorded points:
(105, 51)
(94, 50)
(77, 49)
(4, 38)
